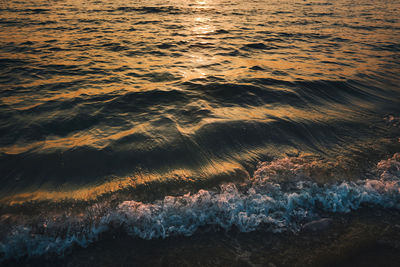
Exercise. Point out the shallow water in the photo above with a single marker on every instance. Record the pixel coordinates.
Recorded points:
(107, 103)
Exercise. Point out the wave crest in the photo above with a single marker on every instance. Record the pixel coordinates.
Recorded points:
(279, 197)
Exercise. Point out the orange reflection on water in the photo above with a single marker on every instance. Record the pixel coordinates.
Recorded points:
(223, 169)
(111, 48)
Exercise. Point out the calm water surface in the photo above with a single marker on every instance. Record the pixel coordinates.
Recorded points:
(114, 101)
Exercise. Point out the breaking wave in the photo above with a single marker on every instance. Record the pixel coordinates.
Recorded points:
(282, 195)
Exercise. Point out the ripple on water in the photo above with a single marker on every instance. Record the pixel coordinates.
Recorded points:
(115, 100)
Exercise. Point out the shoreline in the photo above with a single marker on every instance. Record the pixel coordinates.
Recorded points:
(366, 237)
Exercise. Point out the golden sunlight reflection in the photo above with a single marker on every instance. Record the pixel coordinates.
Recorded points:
(202, 3)
(161, 76)
(203, 26)
(225, 169)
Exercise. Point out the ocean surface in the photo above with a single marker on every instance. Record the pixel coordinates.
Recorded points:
(159, 118)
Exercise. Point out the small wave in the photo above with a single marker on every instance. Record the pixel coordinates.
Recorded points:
(260, 46)
(151, 9)
(281, 196)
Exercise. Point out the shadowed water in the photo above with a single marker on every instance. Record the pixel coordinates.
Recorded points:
(136, 100)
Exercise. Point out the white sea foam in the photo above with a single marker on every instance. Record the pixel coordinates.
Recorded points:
(281, 196)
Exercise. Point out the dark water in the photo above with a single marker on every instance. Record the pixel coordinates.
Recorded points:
(103, 104)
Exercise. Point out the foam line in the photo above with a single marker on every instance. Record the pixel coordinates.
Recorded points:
(270, 200)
